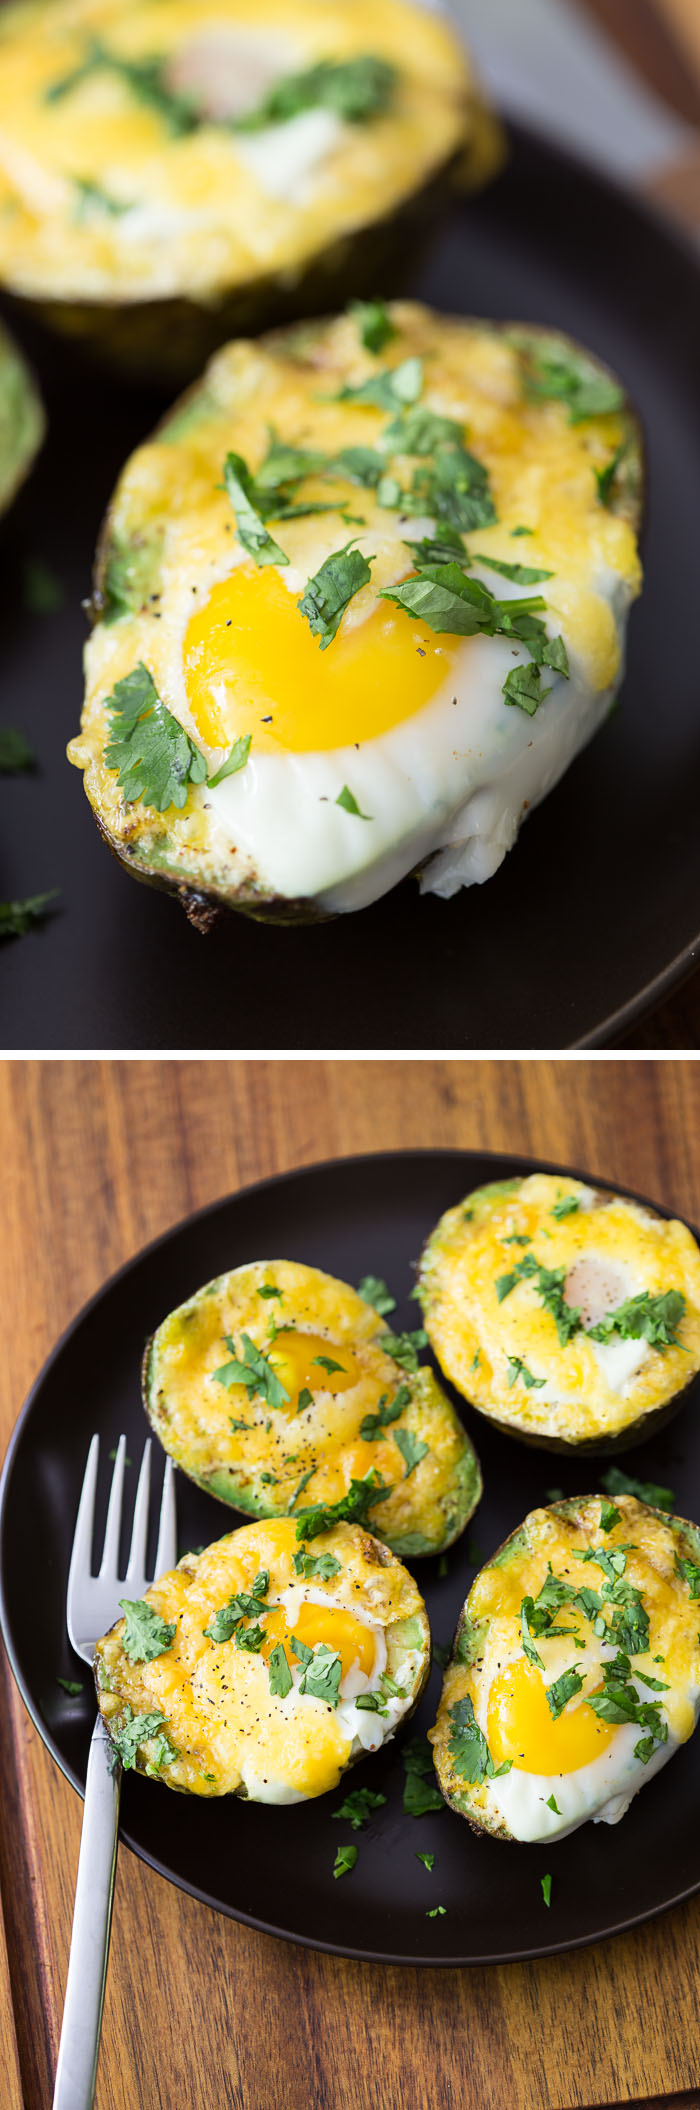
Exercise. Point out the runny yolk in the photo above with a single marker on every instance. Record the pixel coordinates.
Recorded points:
(300, 1361)
(353, 1641)
(250, 657)
(520, 1726)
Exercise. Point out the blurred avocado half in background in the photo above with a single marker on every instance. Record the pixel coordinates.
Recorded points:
(172, 173)
(22, 421)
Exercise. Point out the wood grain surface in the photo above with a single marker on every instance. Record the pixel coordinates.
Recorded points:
(202, 2014)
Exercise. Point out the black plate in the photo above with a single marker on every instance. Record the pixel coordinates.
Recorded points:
(273, 1868)
(597, 912)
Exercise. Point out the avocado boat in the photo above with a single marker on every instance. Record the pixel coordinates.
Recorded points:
(276, 1387)
(575, 1669)
(22, 422)
(567, 1315)
(173, 173)
(359, 601)
(266, 1664)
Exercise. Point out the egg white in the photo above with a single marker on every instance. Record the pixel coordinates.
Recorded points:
(364, 1730)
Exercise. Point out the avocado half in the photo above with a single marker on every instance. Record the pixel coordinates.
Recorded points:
(567, 1315)
(542, 1544)
(186, 600)
(189, 1684)
(22, 421)
(172, 174)
(338, 1398)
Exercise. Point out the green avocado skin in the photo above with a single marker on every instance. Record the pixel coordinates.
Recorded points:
(22, 420)
(470, 1634)
(229, 1485)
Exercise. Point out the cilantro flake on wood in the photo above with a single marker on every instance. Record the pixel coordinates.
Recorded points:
(329, 592)
(146, 1635)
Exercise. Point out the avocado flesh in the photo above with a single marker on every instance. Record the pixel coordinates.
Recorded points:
(22, 421)
(564, 1401)
(251, 1469)
(469, 1799)
(151, 267)
(191, 852)
(187, 1749)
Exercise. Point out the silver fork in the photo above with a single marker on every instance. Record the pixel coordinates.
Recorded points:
(92, 1607)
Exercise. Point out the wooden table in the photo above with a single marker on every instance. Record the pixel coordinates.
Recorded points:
(202, 2014)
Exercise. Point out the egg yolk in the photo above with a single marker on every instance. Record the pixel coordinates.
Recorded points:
(520, 1726)
(352, 1640)
(252, 665)
(308, 1362)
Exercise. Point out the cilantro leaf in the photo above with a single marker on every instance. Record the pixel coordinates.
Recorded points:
(145, 1635)
(527, 1610)
(454, 487)
(358, 1806)
(267, 1289)
(16, 917)
(322, 1671)
(356, 89)
(155, 758)
(403, 1347)
(15, 752)
(605, 478)
(330, 591)
(563, 1689)
(305, 1399)
(553, 370)
(374, 323)
(546, 1887)
(252, 532)
(371, 1702)
(616, 1482)
(436, 1912)
(374, 1291)
(417, 430)
(249, 1638)
(389, 390)
(328, 1363)
(363, 465)
(567, 1205)
(518, 1369)
(523, 687)
(352, 1508)
(521, 574)
(428, 1861)
(652, 1319)
(345, 1860)
(609, 1516)
(347, 800)
(324, 1565)
(388, 1410)
(552, 1804)
(690, 1574)
(234, 761)
(420, 1794)
(255, 1372)
(618, 1702)
(137, 1729)
(468, 1748)
(279, 1673)
(72, 1686)
(412, 1449)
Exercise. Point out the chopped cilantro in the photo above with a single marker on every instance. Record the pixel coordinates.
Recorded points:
(563, 1689)
(546, 1888)
(690, 1574)
(388, 1410)
(552, 1804)
(605, 478)
(518, 1369)
(527, 1610)
(521, 574)
(145, 1635)
(374, 1291)
(235, 1424)
(522, 531)
(428, 1861)
(352, 1508)
(254, 1372)
(567, 1205)
(374, 323)
(346, 799)
(403, 1347)
(305, 1399)
(267, 1289)
(609, 1516)
(329, 592)
(358, 1806)
(299, 1489)
(91, 198)
(145, 77)
(72, 1686)
(653, 1319)
(16, 917)
(324, 1565)
(412, 1449)
(436, 1912)
(345, 1860)
(249, 1638)
(322, 1670)
(327, 1363)
(420, 1794)
(244, 1605)
(616, 1482)
(155, 758)
(252, 532)
(234, 761)
(523, 687)
(390, 390)
(355, 89)
(618, 1702)
(138, 1729)
(468, 1748)
(15, 752)
(553, 370)
(371, 1702)
(279, 1673)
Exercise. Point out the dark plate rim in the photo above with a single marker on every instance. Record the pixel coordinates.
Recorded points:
(521, 1164)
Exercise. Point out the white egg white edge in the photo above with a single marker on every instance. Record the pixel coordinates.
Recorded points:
(444, 791)
(365, 1731)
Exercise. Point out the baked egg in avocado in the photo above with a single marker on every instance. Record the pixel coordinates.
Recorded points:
(174, 172)
(277, 1386)
(22, 421)
(265, 1664)
(568, 1316)
(575, 1670)
(359, 602)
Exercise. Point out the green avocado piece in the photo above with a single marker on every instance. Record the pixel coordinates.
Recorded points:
(22, 420)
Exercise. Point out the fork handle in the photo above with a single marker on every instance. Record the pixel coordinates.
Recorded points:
(92, 1919)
